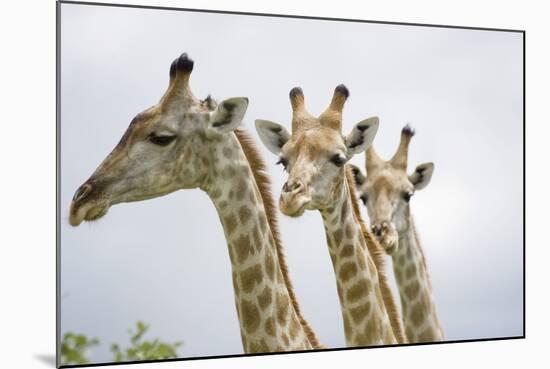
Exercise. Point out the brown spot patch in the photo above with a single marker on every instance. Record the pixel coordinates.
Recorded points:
(358, 291)
(347, 251)
(265, 298)
(427, 335)
(294, 329)
(230, 223)
(337, 237)
(359, 313)
(228, 172)
(269, 265)
(257, 238)
(401, 260)
(242, 189)
(250, 316)
(222, 205)
(283, 303)
(244, 214)
(350, 231)
(417, 314)
(227, 152)
(243, 248)
(216, 194)
(411, 291)
(250, 277)
(411, 271)
(285, 339)
(398, 274)
(347, 271)
(270, 327)
(263, 346)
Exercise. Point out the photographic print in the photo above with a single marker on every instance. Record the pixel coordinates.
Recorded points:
(240, 184)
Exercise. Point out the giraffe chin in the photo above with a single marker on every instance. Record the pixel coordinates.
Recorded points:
(87, 212)
(294, 207)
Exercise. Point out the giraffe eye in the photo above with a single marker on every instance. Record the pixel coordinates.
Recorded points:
(407, 195)
(338, 160)
(364, 198)
(163, 140)
(283, 162)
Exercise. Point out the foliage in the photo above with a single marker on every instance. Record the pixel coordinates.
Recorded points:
(145, 350)
(75, 347)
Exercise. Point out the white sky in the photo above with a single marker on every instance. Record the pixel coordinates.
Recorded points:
(165, 261)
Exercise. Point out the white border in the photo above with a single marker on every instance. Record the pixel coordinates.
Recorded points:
(27, 152)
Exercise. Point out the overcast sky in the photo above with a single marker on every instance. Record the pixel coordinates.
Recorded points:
(165, 261)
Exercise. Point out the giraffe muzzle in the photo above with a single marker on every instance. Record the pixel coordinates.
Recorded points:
(86, 205)
(294, 199)
(386, 233)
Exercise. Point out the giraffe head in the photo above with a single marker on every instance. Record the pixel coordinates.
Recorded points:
(316, 152)
(165, 148)
(386, 190)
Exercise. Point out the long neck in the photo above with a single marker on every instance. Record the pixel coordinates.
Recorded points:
(268, 318)
(365, 317)
(413, 281)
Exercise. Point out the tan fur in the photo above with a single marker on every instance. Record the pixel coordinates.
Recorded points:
(424, 263)
(264, 184)
(378, 255)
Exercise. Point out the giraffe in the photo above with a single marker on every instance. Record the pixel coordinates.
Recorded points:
(184, 143)
(386, 191)
(315, 156)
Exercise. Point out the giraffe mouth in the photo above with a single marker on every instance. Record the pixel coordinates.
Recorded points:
(86, 212)
(295, 206)
(386, 234)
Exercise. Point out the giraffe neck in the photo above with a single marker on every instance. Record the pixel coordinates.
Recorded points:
(365, 317)
(268, 320)
(413, 281)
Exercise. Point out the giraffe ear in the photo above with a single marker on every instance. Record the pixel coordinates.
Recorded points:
(357, 175)
(272, 134)
(422, 175)
(228, 115)
(361, 136)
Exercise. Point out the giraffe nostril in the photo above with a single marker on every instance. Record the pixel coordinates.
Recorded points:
(377, 230)
(293, 186)
(82, 192)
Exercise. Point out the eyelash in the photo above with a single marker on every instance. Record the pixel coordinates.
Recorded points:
(337, 160)
(283, 162)
(160, 140)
